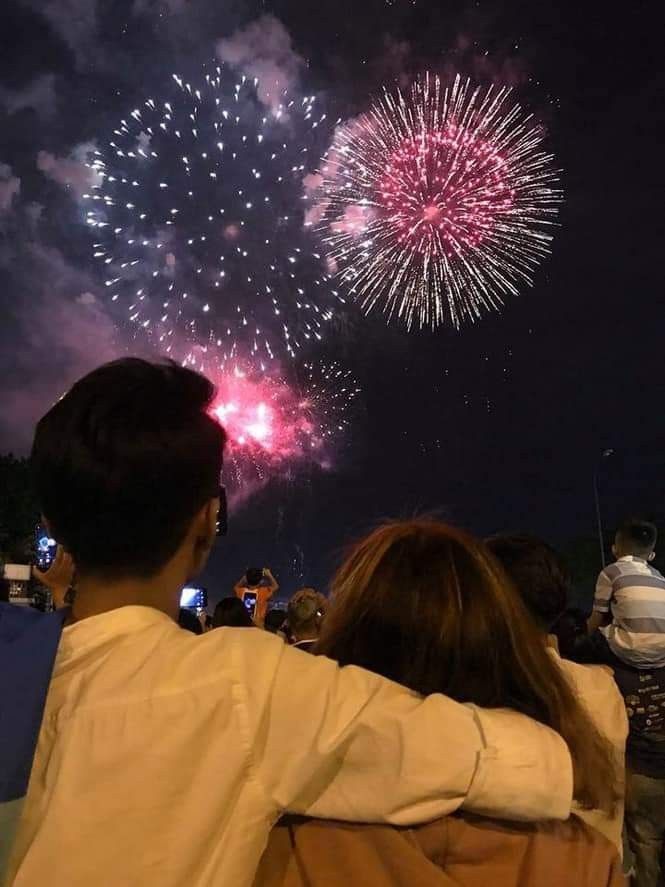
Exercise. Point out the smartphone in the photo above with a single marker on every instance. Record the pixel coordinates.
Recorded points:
(193, 597)
(249, 600)
(45, 548)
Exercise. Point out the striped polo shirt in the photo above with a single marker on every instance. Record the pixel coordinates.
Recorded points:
(634, 592)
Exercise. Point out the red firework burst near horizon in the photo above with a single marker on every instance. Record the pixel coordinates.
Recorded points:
(274, 427)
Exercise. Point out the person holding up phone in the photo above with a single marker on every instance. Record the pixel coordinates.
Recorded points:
(255, 589)
(57, 577)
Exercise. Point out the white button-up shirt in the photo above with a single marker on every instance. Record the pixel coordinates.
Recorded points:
(596, 690)
(164, 758)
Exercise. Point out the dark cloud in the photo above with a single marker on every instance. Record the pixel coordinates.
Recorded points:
(59, 331)
(157, 7)
(76, 22)
(38, 95)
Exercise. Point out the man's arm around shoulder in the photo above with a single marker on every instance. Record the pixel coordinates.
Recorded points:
(346, 744)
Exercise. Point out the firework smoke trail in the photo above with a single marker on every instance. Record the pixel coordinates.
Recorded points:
(198, 223)
(437, 205)
(274, 427)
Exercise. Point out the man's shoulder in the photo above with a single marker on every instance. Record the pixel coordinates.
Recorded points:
(596, 688)
(626, 567)
(656, 574)
(619, 569)
(589, 677)
(594, 684)
(230, 648)
(164, 661)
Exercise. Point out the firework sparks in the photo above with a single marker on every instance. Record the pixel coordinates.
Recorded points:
(332, 392)
(198, 223)
(437, 205)
(273, 427)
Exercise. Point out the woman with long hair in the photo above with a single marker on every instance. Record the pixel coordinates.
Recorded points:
(427, 605)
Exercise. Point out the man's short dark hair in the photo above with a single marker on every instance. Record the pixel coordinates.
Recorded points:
(274, 619)
(637, 536)
(189, 621)
(231, 612)
(123, 462)
(538, 572)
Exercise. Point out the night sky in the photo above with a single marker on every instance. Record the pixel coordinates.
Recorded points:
(497, 427)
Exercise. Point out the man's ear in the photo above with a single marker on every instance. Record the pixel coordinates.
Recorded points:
(614, 551)
(207, 520)
(652, 556)
(204, 533)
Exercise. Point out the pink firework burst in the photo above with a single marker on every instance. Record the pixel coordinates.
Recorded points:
(269, 428)
(274, 428)
(445, 188)
(437, 205)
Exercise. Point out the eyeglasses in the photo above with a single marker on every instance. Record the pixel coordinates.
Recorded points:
(223, 513)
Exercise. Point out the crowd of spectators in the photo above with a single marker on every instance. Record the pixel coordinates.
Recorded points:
(457, 723)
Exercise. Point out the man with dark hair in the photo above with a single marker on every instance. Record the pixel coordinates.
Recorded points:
(231, 612)
(541, 577)
(189, 621)
(126, 785)
(141, 458)
(629, 604)
(274, 620)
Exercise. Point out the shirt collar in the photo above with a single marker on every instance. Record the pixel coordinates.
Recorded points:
(123, 621)
(633, 559)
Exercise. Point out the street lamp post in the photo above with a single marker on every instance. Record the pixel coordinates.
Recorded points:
(601, 540)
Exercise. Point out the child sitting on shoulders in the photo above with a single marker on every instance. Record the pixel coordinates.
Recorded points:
(629, 604)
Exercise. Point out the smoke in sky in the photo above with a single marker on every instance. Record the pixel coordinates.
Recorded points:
(10, 186)
(60, 331)
(73, 171)
(264, 50)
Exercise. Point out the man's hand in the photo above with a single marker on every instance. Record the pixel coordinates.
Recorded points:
(595, 621)
(273, 583)
(58, 577)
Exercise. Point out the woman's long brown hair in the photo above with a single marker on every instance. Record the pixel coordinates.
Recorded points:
(427, 605)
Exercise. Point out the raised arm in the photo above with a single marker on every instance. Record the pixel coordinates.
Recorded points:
(273, 584)
(240, 586)
(347, 744)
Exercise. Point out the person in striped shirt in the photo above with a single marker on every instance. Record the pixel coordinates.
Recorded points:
(629, 604)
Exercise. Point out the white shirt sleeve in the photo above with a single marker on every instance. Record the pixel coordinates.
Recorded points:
(347, 744)
(603, 595)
